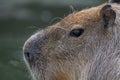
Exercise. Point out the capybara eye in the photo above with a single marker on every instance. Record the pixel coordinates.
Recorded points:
(76, 32)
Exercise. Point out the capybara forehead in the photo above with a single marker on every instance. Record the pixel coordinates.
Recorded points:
(84, 17)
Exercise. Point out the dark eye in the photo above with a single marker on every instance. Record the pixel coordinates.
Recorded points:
(76, 32)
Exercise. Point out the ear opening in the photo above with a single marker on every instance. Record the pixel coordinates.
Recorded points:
(108, 15)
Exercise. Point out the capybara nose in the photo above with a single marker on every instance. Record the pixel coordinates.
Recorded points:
(28, 56)
(33, 45)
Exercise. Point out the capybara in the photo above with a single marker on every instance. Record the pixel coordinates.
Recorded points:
(85, 45)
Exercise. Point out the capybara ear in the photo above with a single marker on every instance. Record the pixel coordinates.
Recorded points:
(108, 15)
(114, 1)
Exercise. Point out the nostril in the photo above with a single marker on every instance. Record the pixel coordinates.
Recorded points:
(27, 56)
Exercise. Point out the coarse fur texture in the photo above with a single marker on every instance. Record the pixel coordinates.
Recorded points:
(52, 54)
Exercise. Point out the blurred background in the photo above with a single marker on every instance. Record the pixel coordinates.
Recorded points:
(19, 19)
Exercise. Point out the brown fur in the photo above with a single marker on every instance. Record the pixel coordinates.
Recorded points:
(94, 55)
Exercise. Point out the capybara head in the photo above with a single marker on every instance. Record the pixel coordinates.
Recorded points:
(85, 45)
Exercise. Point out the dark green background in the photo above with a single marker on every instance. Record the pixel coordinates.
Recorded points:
(19, 19)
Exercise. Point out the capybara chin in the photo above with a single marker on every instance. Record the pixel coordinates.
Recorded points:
(85, 45)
